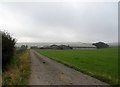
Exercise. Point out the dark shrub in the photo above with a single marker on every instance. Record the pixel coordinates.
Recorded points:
(101, 45)
(8, 45)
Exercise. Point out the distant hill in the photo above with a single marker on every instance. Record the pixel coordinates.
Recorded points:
(73, 44)
(113, 44)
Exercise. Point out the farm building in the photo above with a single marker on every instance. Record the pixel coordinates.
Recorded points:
(82, 46)
(56, 47)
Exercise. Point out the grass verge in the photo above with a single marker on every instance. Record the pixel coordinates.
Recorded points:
(19, 70)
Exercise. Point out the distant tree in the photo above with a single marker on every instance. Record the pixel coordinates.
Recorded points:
(34, 47)
(8, 45)
(101, 45)
(24, 47)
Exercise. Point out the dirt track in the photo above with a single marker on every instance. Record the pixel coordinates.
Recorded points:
(45, 71)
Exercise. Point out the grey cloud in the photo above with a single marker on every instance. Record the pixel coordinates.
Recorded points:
(52, 21)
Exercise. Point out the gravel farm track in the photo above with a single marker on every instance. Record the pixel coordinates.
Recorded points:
(45, 71)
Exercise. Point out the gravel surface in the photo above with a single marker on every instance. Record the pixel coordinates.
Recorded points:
(45, 71)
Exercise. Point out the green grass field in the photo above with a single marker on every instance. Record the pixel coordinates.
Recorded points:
(99, 63)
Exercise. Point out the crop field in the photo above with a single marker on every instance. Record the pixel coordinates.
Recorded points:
(99, 63)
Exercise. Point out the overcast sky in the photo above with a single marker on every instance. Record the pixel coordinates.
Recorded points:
(60, 21)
